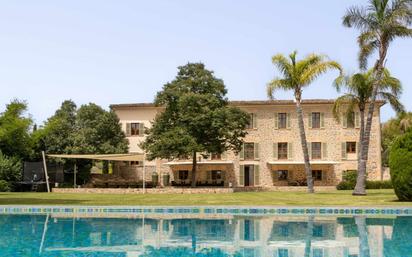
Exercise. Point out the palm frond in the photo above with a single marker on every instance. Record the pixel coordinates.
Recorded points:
(277, 84)
(394, 102)
(348, 101)
(356, 17)
(314, 71)
(283, 64)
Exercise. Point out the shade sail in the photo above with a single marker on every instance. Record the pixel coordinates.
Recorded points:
(101, 157)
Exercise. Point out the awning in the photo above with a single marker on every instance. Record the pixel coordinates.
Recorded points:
(281, 162)
(214, 162)
(101, 157)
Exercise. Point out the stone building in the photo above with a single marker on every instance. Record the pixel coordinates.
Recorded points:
(272, 154)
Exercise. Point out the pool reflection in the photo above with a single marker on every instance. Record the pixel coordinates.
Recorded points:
(277, 236)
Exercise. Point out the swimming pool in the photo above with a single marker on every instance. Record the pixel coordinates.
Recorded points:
(205, 231)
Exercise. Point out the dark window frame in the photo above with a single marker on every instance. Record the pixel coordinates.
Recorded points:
(351, 147)
(282, 175)
(183, 174)
(249, 151)
(282, 120)
(283, 151)
(316, 150)
(135, 128)
(317, 175)
(315, 119)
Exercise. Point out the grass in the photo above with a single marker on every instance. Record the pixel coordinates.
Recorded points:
(333, 198)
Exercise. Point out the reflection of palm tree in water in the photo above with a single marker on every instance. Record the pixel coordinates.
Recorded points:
(308, 241)
(363, 236)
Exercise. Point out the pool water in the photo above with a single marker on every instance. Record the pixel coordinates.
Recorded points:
(62, 234)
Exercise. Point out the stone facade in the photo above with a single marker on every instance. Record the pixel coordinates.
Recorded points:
(262, 169)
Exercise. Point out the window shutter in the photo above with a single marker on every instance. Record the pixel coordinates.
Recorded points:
(209, 175)
(288, 120)
(357, 149)
(241, 175)
(128, 129)
(275, 175)
(276, 120)
(254, 120)
(344, 121)
(224, 156)
(357, 120)
(256, 151)
(310, 120)
(223, 175)
(324, 151)
(290, 151)
(343, 150)
(141, 129)
(322, 120)
(275, 151)
(242, 152)
(310, 150)
(256, 173)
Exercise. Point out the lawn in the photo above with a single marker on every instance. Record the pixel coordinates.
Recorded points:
(332, 198)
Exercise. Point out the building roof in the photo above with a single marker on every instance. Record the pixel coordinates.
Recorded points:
(246, 103)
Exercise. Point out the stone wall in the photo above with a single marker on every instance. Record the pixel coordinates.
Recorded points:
(265, 134)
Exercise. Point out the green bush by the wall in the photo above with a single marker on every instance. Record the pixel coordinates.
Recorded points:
(349, 181)
(400, 163)
(4, 186)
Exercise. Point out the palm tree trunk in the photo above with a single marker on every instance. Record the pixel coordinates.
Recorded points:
(360, 188)
(364, 250)
(194, 164)
(308, 240)
(308, 170)
(364, 150)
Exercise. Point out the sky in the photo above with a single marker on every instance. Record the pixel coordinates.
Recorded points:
(110, 52)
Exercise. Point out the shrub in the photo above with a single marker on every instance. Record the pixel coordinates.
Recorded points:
(385, 184)
(4, 186)
(400, 159)
(348, 181)
(10, 168)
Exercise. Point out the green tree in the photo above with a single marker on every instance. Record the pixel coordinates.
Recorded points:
(400, 159)
(295, 76)
(15, 130)
(392, 129)
(98, 132)
(358, 92)
(380, 23)
(10, 169)
(196, 118)
(56, 136)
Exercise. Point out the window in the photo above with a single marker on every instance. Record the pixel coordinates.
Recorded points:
(283, 252)
(282, 120)
(284, 230)
(315, 119)
(135, 129)
(317, 231)
(134, 163)
(350, 120)
(350, 147)
(183, 174)
(316, 150)
(282, 151)
(216, 174)
(216, 156)
(249, 149)
(250, 124)
(282, 175)
(317, 175)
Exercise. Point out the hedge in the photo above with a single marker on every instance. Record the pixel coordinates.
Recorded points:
(400, 163)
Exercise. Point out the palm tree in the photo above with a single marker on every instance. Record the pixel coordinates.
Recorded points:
(358, 89)
(295, 76)
(380, 22)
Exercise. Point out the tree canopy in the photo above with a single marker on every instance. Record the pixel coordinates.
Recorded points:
(196, 118)
(15, 130)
